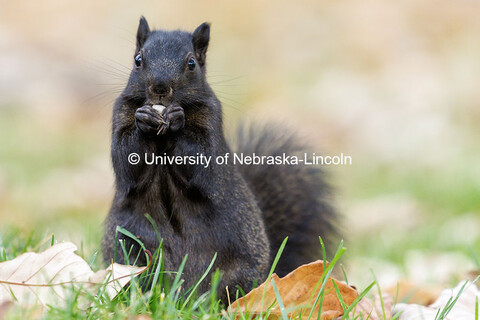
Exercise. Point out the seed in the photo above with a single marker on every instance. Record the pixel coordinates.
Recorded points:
(158, 107)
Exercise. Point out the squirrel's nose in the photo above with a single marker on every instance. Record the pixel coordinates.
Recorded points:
(161, 89)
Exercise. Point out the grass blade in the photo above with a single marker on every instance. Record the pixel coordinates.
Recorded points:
(279, 301)
(200, 280)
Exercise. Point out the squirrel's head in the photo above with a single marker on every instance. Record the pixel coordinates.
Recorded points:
(169, 65)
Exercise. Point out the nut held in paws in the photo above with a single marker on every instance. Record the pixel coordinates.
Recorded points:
(158, 107)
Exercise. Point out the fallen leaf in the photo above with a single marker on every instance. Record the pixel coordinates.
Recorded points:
(298, 291)
(410, 293)
(463, 309)
(48, 277)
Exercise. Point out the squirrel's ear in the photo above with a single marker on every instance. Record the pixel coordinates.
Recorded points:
(201, 36)
(142, 33)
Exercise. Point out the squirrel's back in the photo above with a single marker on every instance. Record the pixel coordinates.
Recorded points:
(295, 200)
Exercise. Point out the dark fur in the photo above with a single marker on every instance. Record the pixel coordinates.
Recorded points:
(202, 211)
(294, 199)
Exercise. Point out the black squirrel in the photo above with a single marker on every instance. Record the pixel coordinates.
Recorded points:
(242, 213)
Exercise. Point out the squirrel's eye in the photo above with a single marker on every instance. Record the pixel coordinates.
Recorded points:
(191, 64)
(138, 60)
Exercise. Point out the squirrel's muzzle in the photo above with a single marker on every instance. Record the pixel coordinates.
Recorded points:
(160, 89)
(160, 92)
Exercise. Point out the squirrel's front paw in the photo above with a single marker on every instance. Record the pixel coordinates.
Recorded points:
(174, 118)
(148, 120)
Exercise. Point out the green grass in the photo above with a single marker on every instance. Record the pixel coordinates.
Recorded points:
(26, 160)
(166, 298)
(445, 190)
(443, 194)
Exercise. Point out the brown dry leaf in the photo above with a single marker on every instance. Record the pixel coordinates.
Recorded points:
(48, 277)
(298, 291)
(413, 293)
(373, 310)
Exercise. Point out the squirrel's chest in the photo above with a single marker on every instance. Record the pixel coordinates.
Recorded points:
(198, 239)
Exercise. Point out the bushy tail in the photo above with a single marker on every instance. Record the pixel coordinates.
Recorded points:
(294, 199)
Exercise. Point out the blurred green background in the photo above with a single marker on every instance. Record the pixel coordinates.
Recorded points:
(393, 84)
